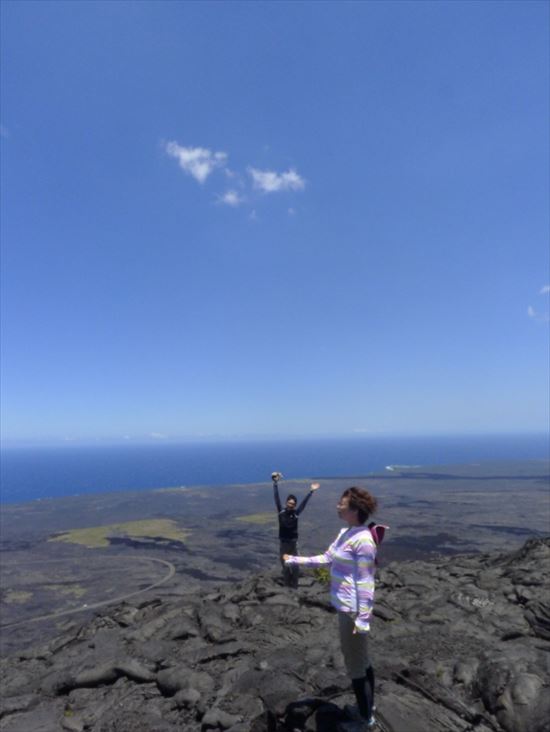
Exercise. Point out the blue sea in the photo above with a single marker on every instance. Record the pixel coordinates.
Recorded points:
(36, 473)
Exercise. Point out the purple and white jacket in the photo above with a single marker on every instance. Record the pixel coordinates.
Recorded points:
(352, 559)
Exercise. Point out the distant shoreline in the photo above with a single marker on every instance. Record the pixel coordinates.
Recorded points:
(401, 467)
(28, 475)
(489, 471)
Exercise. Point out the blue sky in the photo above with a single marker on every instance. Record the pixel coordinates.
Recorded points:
(226, 219)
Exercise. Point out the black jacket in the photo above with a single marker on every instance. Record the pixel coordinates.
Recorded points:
(288, 520)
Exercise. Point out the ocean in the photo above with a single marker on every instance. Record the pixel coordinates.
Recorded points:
(28, 474)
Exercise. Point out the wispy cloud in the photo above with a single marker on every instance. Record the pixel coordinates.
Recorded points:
(197, 161)
(535, 315)
(231, 198)
(269, 181)
(157, 435)
(244, 187)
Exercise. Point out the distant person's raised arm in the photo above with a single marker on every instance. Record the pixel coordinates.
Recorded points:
(312, 489)
(275, 478)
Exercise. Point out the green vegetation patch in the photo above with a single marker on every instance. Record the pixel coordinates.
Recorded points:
(258, 518)
(322, 575)
(12, 596)
(98, 536)
(68, 590)
(190, 492)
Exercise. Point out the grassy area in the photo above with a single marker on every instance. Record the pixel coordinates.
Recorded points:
(258, 518)
(98, 536)
(17, 597)
(68, 590)
(192, 492)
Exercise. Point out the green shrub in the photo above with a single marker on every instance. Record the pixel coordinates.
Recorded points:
(322, 575)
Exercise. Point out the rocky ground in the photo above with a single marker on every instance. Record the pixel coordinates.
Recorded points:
(461, 643)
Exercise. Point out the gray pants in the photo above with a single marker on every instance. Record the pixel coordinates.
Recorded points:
(354, 646)
(290, 572)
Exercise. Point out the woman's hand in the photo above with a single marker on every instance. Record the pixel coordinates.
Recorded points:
(286, 557)
(314, 486)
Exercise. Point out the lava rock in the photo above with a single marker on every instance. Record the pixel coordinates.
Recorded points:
(458, 643)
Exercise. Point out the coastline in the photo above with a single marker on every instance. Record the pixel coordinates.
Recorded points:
(46, 473)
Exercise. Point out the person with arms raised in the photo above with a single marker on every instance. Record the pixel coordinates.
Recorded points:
(288, 527)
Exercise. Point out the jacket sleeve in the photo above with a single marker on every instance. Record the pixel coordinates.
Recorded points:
(303, 503)
(276, 497)
(318, 560)
(365, 566)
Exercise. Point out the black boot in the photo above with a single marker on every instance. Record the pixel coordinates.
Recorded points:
(363, 696)
(369, 673)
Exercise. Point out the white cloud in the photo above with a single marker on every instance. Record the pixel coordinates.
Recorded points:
(269, 181)
(241, 188)
(231, 198)
(157, 436)
(197, 161)
(535, 315)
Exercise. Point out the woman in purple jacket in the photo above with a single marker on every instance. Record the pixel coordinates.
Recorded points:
(352, 566)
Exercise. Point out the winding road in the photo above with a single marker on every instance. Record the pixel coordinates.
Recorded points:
(93, 606)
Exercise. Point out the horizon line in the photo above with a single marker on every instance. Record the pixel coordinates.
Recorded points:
(148, 440)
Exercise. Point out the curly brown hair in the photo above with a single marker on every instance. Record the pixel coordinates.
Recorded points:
(361, 501)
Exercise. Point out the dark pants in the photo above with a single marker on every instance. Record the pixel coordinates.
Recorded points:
(290, 572)
(358, 665)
